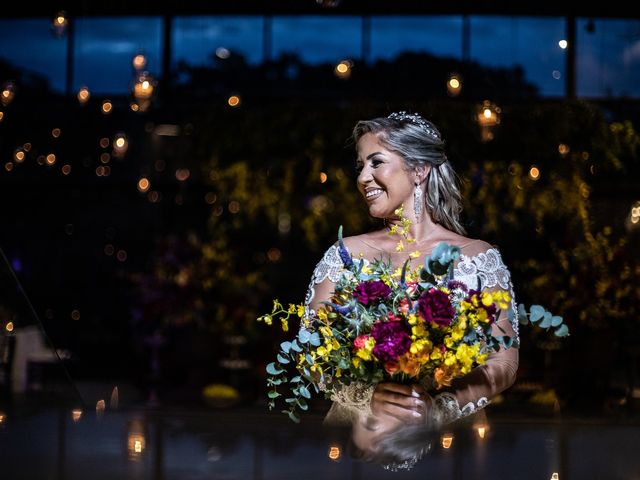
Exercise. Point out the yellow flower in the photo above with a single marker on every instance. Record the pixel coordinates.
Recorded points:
(415, 254)
(300, 311)
(266, 319)
(285, 324)
(292, 308)
(326, 331)
(400, 246)
(356, 361)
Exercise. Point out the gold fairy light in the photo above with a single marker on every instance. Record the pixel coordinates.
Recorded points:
(454, 85)
(59, 24)
(234, 101)
(534, 173)
(8, 93)
(343, 69)
(83, 95)
(107, 107)
(1, 116)
(19, 155)
(487, 116)
(143, 185)
(120, 145)
(139, 61)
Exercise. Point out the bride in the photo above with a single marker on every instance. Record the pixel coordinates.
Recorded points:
(401, 161)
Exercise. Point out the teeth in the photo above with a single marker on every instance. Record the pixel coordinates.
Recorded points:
(373, 193)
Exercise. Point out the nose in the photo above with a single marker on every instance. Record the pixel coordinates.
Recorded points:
(364, 176)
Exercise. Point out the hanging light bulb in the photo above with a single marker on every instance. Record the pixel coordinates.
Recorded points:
(343, 69)
(59, 24)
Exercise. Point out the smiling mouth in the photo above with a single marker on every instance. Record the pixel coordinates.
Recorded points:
(375, 193)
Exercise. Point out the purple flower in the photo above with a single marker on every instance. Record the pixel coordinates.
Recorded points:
(367, 292)
(434, 306)
(392, 340)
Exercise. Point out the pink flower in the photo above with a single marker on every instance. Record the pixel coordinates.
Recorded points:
(360, 341)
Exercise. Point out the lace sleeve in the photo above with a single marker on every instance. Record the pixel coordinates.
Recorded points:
(474, 391)
(349, 401)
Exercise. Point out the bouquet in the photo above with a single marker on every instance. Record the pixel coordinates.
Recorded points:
(408, 324)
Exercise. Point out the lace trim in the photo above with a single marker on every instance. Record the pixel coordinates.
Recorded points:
(328, 267)
(446, 408)
(489, 269)
(355, 396)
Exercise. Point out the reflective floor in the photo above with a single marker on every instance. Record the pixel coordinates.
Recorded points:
(250, 443)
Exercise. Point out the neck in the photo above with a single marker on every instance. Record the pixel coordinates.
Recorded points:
(421, 231)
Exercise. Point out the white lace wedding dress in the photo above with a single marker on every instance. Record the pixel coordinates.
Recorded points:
(480, 264)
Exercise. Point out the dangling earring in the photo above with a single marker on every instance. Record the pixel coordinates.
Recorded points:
(417, 202)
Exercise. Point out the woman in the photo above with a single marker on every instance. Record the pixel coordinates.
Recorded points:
(401, 161)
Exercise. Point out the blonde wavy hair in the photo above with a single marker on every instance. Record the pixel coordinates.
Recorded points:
(419, 143)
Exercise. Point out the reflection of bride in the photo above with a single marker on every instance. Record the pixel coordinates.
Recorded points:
(401, 161)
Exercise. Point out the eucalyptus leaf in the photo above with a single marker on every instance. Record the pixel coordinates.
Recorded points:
(304, 391)
(315, 339)
(546, 320)
(295, 346)
(556, 320)
(273, 394)
(536, 313)
(282, 359)
(562, 331)
(285, 346)
(304, 336)
(272, 369)
(292, 416)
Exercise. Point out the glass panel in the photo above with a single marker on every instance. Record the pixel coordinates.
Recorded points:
(318, 39)
(196, 39)
(441, 36)
(30, 45)
(105, 47)
(529, 42)
(607, 58)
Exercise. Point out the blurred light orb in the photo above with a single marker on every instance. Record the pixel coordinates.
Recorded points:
(182, 174)
(223, 53)
(234, 101)
(343, 69)
(83, 95)
(563, 149)
(534, 173)
(143, 185)
(8, 93)
(454, 85)
(139, 61)
(66, 169)
(563, 44)
(51, 159)
(107, 107)
(56, 132)
(120, 144)
(19, 155)
(633, 219)
(75, 314)
(556, 74)
(59, 24)
(1, 116)
(76, 414)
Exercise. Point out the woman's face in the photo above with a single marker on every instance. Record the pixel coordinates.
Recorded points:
(383, 179)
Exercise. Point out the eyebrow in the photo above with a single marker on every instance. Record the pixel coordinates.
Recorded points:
(371, 155)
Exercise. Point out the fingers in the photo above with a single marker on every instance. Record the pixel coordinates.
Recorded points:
(408, 403)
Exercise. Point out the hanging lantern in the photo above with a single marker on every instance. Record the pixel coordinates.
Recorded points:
(7, 94)
(59, 24)
(488, 116)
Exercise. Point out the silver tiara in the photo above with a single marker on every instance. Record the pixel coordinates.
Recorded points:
(416, 120)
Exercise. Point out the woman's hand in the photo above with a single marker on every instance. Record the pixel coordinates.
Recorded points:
(407, 403)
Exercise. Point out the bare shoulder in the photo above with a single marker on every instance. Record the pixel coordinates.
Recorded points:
(367, 242)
